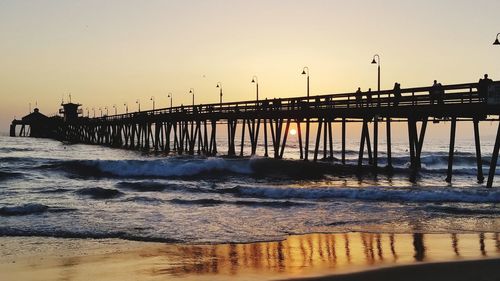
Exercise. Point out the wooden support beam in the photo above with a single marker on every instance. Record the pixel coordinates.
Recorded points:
(299, 134)
(325, 138)
(242, 137)
(284, 138)
(411, 141)
(361, 143)
(480, 176)
(420, 142)
(318, 139)
(343, 140)
(306, 148)
(389, 145)
(375, 141)
(494, 159)
(452, 148)
(330, 135)
(368, 145)
(266, 154)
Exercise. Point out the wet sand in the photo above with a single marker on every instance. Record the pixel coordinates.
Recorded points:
(350, 256)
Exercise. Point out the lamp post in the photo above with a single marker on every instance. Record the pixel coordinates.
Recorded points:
(100, 109)
(93, 110)
(377, 62)
(219, 85)
(126, 107)
(305, 71)
(87, 112)
(256, 82)
(496, 40)
(153, 100)
(107, 111)
(138, 104)
(114, 106)
(170, 95)
(191, 91)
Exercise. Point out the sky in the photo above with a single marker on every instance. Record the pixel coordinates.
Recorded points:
(108, 53)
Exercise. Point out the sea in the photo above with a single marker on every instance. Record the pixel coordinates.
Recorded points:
(54, 189)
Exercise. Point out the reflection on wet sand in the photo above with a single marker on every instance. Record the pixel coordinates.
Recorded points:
(297, 256)
(332, 253)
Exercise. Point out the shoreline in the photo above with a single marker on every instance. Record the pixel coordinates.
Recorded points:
(465, 270)
(299, 257)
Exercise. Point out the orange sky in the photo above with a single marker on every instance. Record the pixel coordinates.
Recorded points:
(112, 52)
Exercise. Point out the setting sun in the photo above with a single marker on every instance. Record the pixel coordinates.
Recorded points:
(293, 132)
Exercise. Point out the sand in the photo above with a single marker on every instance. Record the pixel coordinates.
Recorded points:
(349, 256)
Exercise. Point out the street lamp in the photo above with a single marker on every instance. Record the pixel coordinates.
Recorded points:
(93, 110)
(107, 112)
(219, 85)
(496, 40)
(170, 95)
(377, 62)
(138, 104)
(114, 106)
(126, 107)
(153, 99)
(256, 82)
(87, 112)
(305, 71)
(191, 91)
(100, 109)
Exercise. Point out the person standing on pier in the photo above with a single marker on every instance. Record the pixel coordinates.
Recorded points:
(359, 97)
(482, 88)
(437, 93)
(397, 93)
(369, 97)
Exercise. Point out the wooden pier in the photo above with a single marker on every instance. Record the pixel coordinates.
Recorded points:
(193, 129)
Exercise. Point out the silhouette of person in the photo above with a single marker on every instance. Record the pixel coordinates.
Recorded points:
(397, 93)
(437, 93)
(482, 88)
(369, 97)
(359, 96)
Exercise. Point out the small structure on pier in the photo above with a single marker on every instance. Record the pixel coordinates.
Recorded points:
(70, 111)
(34, 125)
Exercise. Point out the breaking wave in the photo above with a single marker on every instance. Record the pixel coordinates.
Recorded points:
(29, 209)
(99, 192)
(211, 202)
(373, 194)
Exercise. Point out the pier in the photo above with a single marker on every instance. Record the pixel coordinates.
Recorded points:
(193, 129)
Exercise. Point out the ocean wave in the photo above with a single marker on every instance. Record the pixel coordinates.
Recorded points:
(144, 199)
(438, 194)
(37, 232)
(99, 192)
(211, 202)
(461, 211)
(29, 209)
(54, 190)
(161, 168)
(10, 175)
(148, 186)
(14, 149)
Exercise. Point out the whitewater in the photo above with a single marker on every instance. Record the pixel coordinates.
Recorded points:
(48, 188)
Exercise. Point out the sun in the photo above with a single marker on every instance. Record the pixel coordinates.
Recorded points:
(293, 132)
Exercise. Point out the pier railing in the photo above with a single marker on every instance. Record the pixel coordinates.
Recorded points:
(420, 96)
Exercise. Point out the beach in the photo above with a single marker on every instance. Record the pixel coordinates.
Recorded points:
(343, 256)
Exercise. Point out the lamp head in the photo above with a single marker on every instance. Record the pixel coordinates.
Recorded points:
(374, 61)
(253, 80)
(190, 91)
(217, 86)
(496, 42)
(304, 72)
